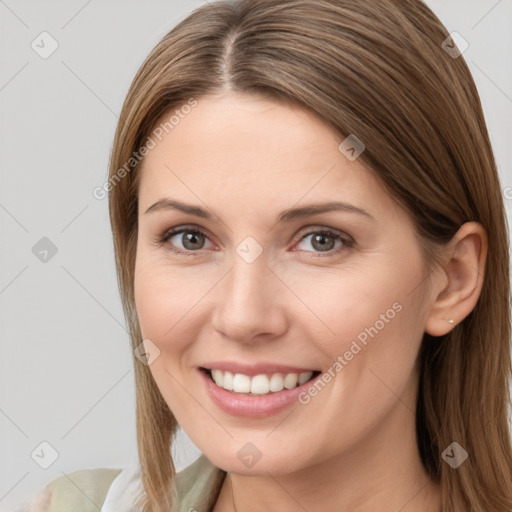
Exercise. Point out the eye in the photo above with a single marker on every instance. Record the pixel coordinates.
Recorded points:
(324, 240)
(192, 241)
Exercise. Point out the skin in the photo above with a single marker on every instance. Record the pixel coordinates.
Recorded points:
(353, 447)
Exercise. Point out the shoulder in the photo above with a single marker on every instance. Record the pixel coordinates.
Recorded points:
(89, 490)
(81, 491)
(195, 487)
(198, 485)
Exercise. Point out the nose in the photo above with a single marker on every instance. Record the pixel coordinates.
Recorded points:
(249, 302)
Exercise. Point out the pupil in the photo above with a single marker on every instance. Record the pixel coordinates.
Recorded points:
(191, 237)
(318, 241)
(321, 240)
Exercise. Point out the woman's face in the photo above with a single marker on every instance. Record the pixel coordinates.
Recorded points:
(337, 292)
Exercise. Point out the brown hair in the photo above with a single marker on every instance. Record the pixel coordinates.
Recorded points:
(377, 70)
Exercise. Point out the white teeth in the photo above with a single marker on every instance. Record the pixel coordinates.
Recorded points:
(218, 377)
(304, 377)
(228, 381)
(241, 383)
(290, 381)
(276, 382)
(259, 384)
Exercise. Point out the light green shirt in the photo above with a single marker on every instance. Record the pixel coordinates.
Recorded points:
(195, 488)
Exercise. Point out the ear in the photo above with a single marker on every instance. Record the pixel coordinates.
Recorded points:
(459, 290)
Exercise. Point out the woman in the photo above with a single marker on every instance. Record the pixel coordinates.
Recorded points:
(312, 254)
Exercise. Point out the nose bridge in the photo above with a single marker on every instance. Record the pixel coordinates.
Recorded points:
(247, 304)
(246, 290)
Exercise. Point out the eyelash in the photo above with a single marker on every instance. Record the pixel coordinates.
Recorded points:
(162, 240)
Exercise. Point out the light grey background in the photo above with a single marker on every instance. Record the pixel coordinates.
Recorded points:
(66, 373)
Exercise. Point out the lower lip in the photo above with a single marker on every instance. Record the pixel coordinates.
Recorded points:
(252, 406)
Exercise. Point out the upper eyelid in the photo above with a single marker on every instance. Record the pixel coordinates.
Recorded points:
(305, 230)
(302, 233)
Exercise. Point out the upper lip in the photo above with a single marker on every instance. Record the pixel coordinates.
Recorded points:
(254, 369)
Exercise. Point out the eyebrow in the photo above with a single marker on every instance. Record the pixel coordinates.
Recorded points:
(285, 216)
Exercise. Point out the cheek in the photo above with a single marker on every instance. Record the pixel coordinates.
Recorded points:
(156, 300)
(338, 310)
(148, 300)
(341, 307)
(168, 300)
(154, 293)
(162, 315)
(378, 340)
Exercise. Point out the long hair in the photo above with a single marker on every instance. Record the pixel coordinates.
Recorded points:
(378, 70)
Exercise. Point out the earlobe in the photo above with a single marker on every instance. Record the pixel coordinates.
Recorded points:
(464, 268)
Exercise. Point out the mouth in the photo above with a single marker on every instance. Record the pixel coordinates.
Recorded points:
(258, 385)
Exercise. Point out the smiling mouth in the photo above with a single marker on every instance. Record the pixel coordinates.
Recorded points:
(257, 385)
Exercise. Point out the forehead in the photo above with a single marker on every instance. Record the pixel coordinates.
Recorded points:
(251, 152)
